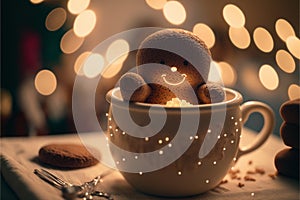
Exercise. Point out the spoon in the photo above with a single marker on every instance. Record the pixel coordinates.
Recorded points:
(70, 191)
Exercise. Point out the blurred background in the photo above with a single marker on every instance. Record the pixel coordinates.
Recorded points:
(255, 45)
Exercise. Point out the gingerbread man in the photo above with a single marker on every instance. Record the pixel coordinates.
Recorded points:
(171, 63)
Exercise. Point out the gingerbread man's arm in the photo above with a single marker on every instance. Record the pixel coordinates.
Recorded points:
(210, 93)
(134, 88)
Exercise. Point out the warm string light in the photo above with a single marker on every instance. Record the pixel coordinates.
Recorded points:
(285, 61)
(284, 29)
(116, 54)
(81, 27)
(55, 19)
(239, 37)
(5, 103)
(45, 82)
(205, 33)
(118, 51)
(36, 1)
(111, 70)
(174, 12)
(263, 40)
(70, 42)
(228, 74)
(268, 77)
(77, 6)
(80, 61)
(293, 45)
(93, 65)
(234, 16)
(294, 91)
(156, 4)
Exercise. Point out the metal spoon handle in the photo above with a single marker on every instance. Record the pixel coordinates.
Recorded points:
(59, 180)
(50, 179)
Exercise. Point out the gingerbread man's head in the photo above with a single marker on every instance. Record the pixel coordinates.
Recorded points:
(180, 50)
(185, 57)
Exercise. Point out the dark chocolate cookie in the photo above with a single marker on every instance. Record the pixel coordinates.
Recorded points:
(66, 156)
(290, 111)
(287, 162)
(290, 134)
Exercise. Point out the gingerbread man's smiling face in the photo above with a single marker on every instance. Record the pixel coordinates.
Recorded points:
(171, 69)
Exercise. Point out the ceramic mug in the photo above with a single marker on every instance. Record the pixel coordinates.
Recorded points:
(187, 150)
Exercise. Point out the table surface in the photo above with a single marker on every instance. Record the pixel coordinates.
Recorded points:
(19, 159)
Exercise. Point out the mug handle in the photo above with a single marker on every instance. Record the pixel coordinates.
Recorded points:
(269, 124)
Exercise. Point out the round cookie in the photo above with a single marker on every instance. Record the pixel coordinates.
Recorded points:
(66, 156)
(289, 111)
(287, 162)
(290, 134)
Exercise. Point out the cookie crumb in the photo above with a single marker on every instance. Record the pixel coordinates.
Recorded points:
(233, 173)
(250, 162)
(241, 184)
(260, 171)
(249, 178)
(272, 176)
(224, 181)
(251, 172)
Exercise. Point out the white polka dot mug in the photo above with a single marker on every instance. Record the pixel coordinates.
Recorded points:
(180, 151)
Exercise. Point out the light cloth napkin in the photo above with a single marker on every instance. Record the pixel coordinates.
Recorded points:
(19, 159)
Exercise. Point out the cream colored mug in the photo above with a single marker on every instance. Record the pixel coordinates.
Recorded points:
(189, 150)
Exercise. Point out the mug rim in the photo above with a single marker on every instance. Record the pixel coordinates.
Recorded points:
(237, 99)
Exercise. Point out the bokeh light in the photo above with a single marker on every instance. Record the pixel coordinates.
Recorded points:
(6, 103)
(36, 1)
(77, 6)
(45, 82)
(112, 70)
(70, 42)
(117, 51)
(78, 66)
(263, 39)
(284, 29)
(293, 45)
(205, 33)
(268, 77)
(93, 65)
(285, 61)
(294, 92)
(228, 73)
(55, 19)
(239, 37)
(174, 12)
(234, 16)
(85, 23)
(214, 74)
(156, 4)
